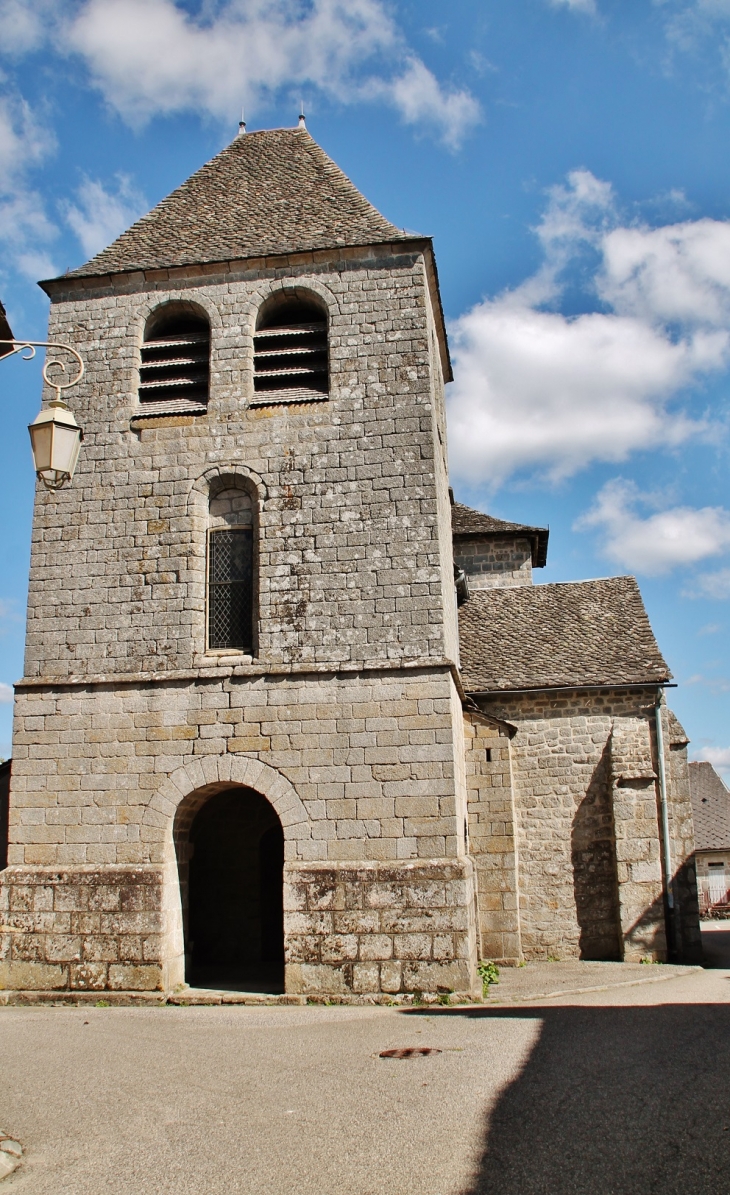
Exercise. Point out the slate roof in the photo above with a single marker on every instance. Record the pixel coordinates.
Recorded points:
(710, 808)
(467, 523)
(5, 333)
(549, 636)
(268, 192)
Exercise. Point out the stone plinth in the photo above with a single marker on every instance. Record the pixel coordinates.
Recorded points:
(380, 928)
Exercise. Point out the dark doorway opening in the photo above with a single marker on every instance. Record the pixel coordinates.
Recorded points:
(235, 931)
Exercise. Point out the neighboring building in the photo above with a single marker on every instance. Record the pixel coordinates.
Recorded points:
(248, 738)
(711, 814)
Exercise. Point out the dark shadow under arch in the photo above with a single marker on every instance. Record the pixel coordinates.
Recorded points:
(234, 920)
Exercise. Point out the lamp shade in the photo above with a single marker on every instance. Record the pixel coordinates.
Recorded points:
(55, 437)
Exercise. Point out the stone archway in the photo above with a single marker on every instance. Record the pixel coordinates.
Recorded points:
(170, 815)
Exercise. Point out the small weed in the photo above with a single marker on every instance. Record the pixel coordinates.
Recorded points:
(488, 973)
(522, 962)
(102, 1004)
(553, 958)
(648, 959)
(444, 998)
(418, 997)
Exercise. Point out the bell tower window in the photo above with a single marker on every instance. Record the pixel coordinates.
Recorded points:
(231, 572)
(175, 365)
(291, 358)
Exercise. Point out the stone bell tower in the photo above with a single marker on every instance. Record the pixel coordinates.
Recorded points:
(238, 751)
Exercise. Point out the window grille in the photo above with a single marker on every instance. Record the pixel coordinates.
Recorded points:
(290, 355)
(174, 371)
(230, 589)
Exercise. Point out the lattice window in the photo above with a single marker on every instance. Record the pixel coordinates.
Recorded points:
(175, 366)
(291, 360)
(230, 589)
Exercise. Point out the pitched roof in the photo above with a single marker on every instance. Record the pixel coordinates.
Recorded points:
(5, 333)
(467, 523)
(269, 192)
(710, 808)
(550, 636)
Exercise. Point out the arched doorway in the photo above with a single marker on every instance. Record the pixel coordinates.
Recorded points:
(235, 919)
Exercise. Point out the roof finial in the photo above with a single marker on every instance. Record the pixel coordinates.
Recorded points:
(241, 124)
(302, 121)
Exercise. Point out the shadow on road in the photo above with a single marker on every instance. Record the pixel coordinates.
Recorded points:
(613, 1101)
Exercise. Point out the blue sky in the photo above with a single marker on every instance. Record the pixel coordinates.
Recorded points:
(569, 157)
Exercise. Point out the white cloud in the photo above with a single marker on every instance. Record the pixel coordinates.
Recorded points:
(719, 757)
(715, 586)
(575, 5)
(22, 25)
(6, 694)
(152, 57)
(25, 142)
(676, 274)
(100, 215)
(658, 542)
(545, 392)
(536, 390)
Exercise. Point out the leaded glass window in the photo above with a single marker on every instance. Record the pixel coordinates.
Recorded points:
(230, 589)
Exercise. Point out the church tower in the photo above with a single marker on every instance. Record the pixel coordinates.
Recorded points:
(238, 755)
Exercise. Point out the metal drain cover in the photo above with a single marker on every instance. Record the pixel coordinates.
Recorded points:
(409, 1052)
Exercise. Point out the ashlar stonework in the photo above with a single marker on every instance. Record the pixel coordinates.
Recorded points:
(430, 811)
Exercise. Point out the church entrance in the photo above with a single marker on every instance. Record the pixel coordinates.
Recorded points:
(235, 922)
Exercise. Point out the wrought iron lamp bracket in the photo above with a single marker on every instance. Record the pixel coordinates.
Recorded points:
(20, 346)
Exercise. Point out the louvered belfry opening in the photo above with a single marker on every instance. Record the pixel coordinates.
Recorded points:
(291, 361)
(175, 366)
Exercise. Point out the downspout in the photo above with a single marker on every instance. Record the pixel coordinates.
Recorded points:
(666, 842)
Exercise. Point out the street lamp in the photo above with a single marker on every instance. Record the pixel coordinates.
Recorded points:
(55, 436)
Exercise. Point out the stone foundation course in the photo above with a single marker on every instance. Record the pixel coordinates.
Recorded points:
(375, 928)
(81, 929)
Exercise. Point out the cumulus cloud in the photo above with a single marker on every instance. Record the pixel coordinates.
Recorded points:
(540, 391)
(153, 57)
(25, 228)
(658, 542)
(100, 215)
(6, 694)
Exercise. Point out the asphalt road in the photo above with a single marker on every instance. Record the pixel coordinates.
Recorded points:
(610, 1093)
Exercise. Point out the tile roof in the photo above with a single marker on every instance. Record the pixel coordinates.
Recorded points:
(549, 636)
(710, 808)
(5, 333)
(466, 522)
(269, 192)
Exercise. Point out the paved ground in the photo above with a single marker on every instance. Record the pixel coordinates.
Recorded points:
(596, 1094)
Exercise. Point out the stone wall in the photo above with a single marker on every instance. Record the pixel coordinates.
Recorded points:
(380, 928)
(588, 839)
(83, 929)
(351, 492)
(492, 837)
(369, 755)
(687, 942)
(494, 562)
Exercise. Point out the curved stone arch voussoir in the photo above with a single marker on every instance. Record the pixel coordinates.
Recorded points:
(177, 801)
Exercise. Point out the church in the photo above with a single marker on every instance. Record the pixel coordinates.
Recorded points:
(295, 721)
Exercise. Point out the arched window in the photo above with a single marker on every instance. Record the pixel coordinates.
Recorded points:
(291, 361)
(175, 366)
(231, 570)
